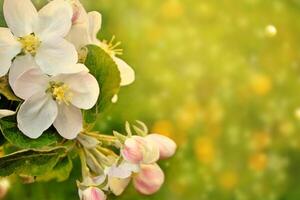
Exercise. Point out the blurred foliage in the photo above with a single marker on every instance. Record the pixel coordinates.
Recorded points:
(219, 77)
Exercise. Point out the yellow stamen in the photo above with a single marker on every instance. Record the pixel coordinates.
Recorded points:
(30, 44)
(111, 48)
(60, 92)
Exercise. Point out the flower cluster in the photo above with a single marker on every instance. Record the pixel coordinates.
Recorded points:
(42, 52)
(58, 75)
(104, 170)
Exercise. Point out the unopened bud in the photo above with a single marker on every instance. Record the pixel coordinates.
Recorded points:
(149, 180)
(92, 193)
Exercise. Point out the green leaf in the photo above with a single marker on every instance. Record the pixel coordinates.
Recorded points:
(6, 91)
(105, 70)
(30, 162)
(61, 171)
(14, 136)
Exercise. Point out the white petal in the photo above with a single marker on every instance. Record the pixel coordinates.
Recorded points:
(9, 48)
(68, 122)
(20, 65)
(126, 72)
(124, 170)
(79, 36)
(95, 22)
(55, 20)
(20, 16)
(31, 82)
(117, 185)
(36, 115)
(6, 113)
(79, 13)
(56, 56)
(84, 87)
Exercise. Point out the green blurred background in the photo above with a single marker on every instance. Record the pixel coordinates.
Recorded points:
(220, 77)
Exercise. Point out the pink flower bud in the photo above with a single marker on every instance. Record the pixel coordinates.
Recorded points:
(167, 147)
(149, 180)
(92, 193)
(139, 150)
(133, 149)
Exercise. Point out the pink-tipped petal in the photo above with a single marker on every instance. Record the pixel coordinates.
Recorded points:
(167, 147)
(133, 149)
(149, 180)
(92, 193)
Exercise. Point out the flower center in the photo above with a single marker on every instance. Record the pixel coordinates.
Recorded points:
(60, 92)
(111, 48)
(30, 44)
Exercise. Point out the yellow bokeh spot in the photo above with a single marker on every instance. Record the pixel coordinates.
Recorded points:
(261, 85)
(186, 117)
(258, 162)
(228, 180)
(260, 140)
(205, 150)
(270, 31)
(30, 44)
(286, 128)
(172, 9)
(163, 127)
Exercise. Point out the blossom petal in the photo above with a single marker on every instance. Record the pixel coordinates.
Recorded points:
(126, 72)
(124, 170)
(9, 48)
(6, 113)
(84, 87)
(79, 35)
(151, 152)
(20, 16)
(118, 185)
(133, 150)
(56, 56)
(167, 147)
(30, 82)
(91, 193)
(20, 65)
(69, 121)
(95, 22)
(55, 20)
(79, 13)
(36, 115)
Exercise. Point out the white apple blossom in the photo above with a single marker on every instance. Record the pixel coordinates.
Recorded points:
(38, 35)
(54, 100)
(84, 32)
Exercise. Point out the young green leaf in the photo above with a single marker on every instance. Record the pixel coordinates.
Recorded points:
(14, 136)
(30, 162)
(61, 171)
(107, 74)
